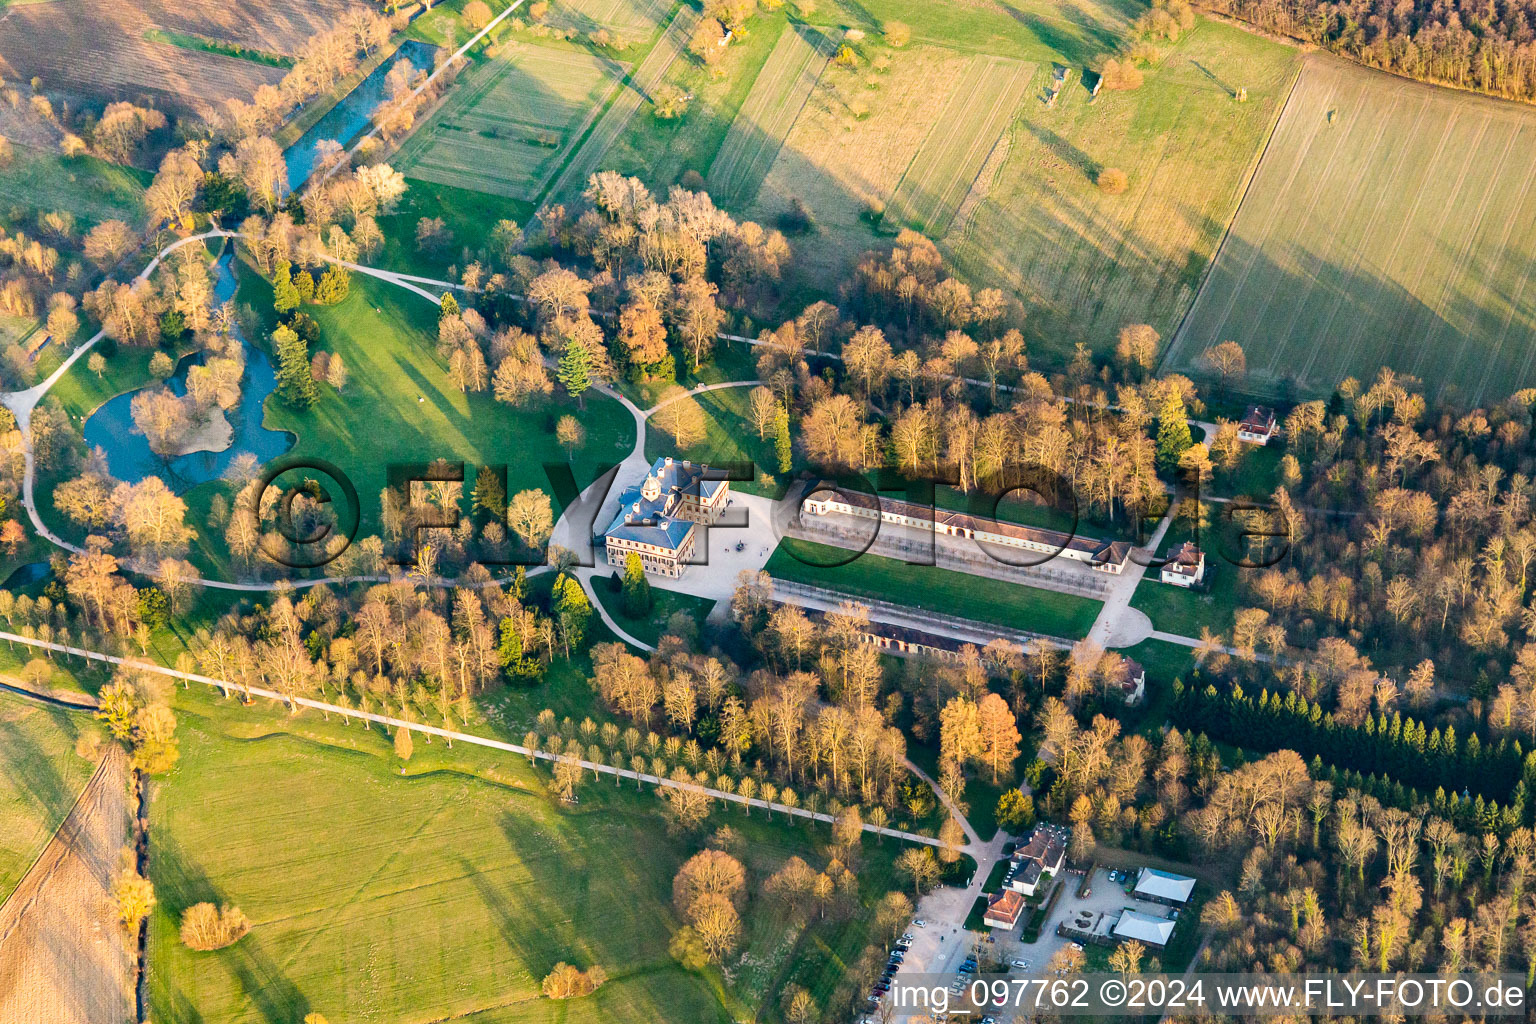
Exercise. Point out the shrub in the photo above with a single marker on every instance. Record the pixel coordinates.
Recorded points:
(206, 927)
(671, 102)
(1113, 181)
(898, 33)
(566, 982)
(1122, 75)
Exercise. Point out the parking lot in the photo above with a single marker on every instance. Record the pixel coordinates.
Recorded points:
(1105, 896)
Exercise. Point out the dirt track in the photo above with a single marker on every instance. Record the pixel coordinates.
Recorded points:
(62, 957)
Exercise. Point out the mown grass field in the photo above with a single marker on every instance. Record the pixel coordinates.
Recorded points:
(770, 110)
(1087, 263)
(883, 117)
(592, 153)
(985, 100)
(929, 587)
(448, 891)
(508, 128)
(1390, 224)
(42, 776)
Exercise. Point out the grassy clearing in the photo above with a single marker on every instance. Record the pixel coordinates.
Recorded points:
(1353, 251)
(1087, 263)
(43, 776)
(484, 882)
(664, 604)
(468, 215)
(92, 189)
(399, 407)
(508, 128)
(935, 589)
(779, 92)
(957, 147)
(190, 41)
(1164, 663)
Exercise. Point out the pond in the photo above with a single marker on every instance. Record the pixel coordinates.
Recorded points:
(345, 121)
(27, 574)
(129, 457)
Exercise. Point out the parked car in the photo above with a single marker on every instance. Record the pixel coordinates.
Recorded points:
(921, 923)
(1022, 965)
(1077, 946)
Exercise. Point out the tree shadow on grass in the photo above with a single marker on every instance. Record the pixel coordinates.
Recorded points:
(31, 770)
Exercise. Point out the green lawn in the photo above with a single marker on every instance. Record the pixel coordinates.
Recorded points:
(1256, 474)
(1164, 663)
(386, 337)
(92, 189)
(664, 604)
(1176, 610)
(448, 891)
(730, 361)
(1073, 31)
(940, 590)
(468, 215)
(43, 776)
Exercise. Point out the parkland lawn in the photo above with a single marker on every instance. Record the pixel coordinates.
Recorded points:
(42, 777)
(933, 589)
(446, 891)
(399, 408)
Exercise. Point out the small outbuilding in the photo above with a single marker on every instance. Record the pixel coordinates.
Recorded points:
(1163, 887)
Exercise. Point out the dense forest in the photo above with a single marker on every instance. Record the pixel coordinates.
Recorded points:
(1489, 47)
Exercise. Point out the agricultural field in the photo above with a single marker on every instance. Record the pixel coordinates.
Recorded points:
(632, 19)
(884, 124)
(659, 151)
(63, 958)
(592, 154)
(758, 131)
(43, 777)
(1354, 249)
(946, 591)
(511, 125)
(98, 49)
(983, 103)
(1073, 31)
(446, 890)
(1088, 263)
